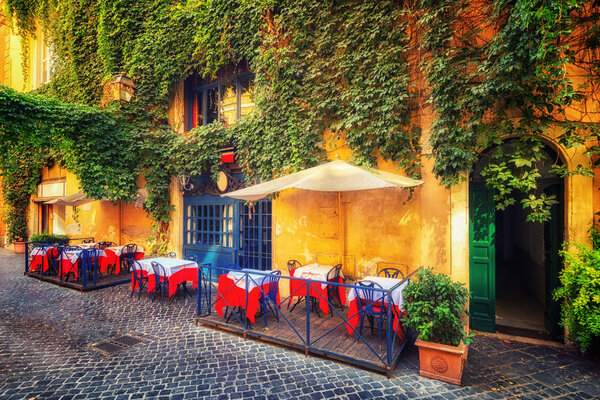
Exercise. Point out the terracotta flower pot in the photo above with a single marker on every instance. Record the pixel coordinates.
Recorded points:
(19, 247)
(442, 362)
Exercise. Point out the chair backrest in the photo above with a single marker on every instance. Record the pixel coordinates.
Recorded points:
(55, 254)
(390, 273)
(87, 241)
(233, 266)
(273, 281)
(159, 271)
(367, 293)
(129, 251)
(89, 257)
(135, 267)
(193, 258)
(172, 254)
(292, 265)
(334, 273)
(104, 245)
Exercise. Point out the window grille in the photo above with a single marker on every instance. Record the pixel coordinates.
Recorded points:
(209, 225)
(255, 235)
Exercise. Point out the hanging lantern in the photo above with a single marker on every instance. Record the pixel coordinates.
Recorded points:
(184, 181)
(122, 88)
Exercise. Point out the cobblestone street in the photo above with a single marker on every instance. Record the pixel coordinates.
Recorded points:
(46, 332)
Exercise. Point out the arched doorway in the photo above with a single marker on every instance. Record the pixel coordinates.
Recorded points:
(513, 263)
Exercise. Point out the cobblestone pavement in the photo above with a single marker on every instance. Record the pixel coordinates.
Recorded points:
(45, 333)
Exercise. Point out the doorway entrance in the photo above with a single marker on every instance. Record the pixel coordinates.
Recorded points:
(514, 263)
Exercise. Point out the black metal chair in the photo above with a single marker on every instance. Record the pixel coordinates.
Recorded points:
(161, 282)
(53, 257)
(292, 265)
(138, 278)
(333, 291)
(127, 253)
(268, 299)
(390, 273)
(371, 305)
(104, 245)
(172, 254)
(87, 241)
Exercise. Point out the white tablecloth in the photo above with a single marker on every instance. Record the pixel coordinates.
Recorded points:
(314, 272)
(172, 265)
(385, 283)
(254, 280)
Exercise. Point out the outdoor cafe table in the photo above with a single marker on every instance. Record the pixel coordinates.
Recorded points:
(315, 272)
(231, 291)
(177, 271)
(397, 300)
(68, 260)
(114, 254)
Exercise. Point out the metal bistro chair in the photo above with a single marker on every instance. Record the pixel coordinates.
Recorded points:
(138, 278)
(227, 268)
(390, 273)
(268, 300)
(292, 265)
(333, 291)
(104, 245)
(161, 282)
(172, 254)
(127, 253)
(53, 257)
(87, 241)
(371, 305)
(88, 261)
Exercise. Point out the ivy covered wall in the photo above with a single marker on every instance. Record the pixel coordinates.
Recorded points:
(493, 69)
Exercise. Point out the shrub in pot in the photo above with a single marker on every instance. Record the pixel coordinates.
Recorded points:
(50, 238)
(434, 307)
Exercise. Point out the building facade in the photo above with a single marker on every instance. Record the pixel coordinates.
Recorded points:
(506, 261)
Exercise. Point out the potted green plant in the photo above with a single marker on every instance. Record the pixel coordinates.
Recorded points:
(434, 306)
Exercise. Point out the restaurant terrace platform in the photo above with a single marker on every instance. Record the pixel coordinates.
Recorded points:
(304, 325)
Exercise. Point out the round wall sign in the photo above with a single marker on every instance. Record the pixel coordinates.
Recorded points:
(222, 181)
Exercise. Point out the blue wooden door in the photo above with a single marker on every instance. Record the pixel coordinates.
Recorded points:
(221, 230)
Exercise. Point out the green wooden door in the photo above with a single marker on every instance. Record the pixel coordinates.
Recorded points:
(482, 258)
(552, 241)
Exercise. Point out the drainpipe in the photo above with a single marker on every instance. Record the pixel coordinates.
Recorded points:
(120, 220)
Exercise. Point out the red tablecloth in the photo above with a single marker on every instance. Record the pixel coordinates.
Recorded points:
(114, 259)
(228, 294)
(298, 288)
(354, 318)
(39, 260)
(184, 275)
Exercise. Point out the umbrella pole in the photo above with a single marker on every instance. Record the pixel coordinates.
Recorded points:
(339, 198)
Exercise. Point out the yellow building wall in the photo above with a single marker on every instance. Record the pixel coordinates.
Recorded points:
(119, 222)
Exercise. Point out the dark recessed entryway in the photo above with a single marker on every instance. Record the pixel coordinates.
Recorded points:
(514, 263)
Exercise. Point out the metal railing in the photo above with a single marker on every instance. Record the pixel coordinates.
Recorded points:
(326, 335)
(85, 279)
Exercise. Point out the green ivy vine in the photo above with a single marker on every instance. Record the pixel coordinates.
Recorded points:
(495, 69)
(496, 72)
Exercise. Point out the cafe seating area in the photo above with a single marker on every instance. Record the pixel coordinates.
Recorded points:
(313, 308)
(82, 263)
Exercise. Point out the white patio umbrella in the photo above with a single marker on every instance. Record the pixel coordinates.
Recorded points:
(335, 176)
